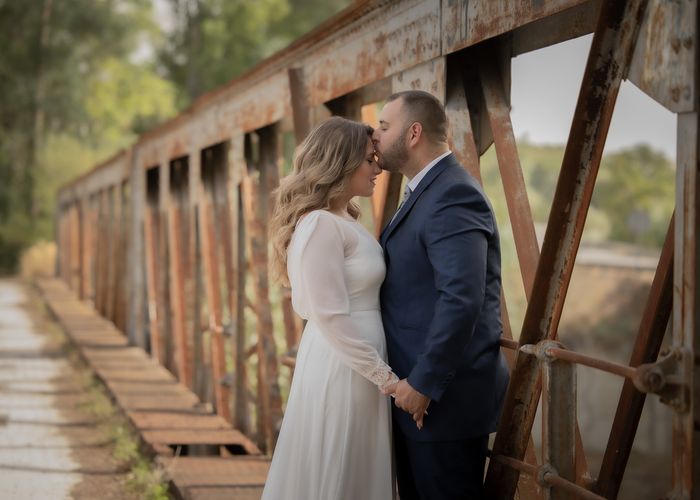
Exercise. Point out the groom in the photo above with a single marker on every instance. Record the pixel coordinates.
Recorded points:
(440, 306)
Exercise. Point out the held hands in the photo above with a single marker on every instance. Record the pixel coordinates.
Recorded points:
(409, 400)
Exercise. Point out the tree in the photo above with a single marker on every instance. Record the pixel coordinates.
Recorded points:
(54, 54)
(636, 190)
(214, 41)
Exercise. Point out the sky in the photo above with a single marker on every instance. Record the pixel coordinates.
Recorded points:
(545, 87)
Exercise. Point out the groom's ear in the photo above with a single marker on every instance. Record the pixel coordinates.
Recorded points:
(415, 132)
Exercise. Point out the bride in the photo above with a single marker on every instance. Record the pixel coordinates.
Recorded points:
(335, 437)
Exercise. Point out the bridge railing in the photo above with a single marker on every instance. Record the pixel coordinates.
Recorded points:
(168, 238)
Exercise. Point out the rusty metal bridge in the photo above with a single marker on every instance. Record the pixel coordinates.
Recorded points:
(168, 239)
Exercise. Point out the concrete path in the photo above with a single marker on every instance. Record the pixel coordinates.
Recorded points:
(50, 446)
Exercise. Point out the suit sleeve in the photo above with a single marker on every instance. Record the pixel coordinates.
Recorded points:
(456, 239)
(322, 279)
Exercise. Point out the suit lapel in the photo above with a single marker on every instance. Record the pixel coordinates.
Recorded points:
(422, 185)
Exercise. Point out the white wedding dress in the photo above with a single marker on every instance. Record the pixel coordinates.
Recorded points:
(335, 440)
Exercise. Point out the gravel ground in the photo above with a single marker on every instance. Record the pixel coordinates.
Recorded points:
(50, 446)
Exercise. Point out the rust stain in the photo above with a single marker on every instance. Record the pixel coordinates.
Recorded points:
(380, 42)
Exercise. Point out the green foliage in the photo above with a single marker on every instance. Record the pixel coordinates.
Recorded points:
(636, 190)
(71, 94)
(632, 202)
(214, 41)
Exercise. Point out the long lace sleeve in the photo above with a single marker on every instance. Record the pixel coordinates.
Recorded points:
(321, 278)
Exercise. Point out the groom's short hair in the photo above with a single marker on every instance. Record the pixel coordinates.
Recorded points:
(426, 109)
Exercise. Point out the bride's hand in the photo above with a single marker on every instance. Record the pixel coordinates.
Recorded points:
(390, 389)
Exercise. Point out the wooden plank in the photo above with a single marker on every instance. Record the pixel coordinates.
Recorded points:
(221, 437)
(189, 472)
(160, 420)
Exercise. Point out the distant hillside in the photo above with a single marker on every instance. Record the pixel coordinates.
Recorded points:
(632, 203)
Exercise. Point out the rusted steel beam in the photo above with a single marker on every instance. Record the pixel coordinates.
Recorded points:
(608, 60)
(559, 418)
(596, 363)
(665, 60)
(212, 280)
(646, 349)
(360, 46)
(94, 234)
(517, 201)
(267, 350)
(97, 264)
(112, 252)
(122, 276)
(104, 242)
(466, 23)
(300, 104)
(236, 170)
(461, 138)
(527, 487)
(176, 285)
(166, 319)
(121, 265)
(559, 27)
(546, 477)
(115, 248)
(197, 358)
(75, 248)
(85, 249)
(223, 192)
(686, 302)
(66, 246)
(263, 418)
(151, 229)
(134, 293)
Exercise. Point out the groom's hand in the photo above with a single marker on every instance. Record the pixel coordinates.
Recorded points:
(411, 401)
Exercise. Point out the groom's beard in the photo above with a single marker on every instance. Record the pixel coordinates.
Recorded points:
(395, 157)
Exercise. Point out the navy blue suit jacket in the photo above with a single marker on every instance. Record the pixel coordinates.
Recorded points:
(441, 305)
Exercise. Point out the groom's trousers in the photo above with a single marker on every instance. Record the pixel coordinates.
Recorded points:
(440, 470)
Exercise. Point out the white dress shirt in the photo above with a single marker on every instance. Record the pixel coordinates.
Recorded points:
(413, 183)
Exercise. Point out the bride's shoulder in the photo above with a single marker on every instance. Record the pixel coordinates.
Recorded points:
(322, 223)
(314, 217)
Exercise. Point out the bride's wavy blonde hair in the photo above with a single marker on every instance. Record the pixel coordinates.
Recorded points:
(323, 165)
